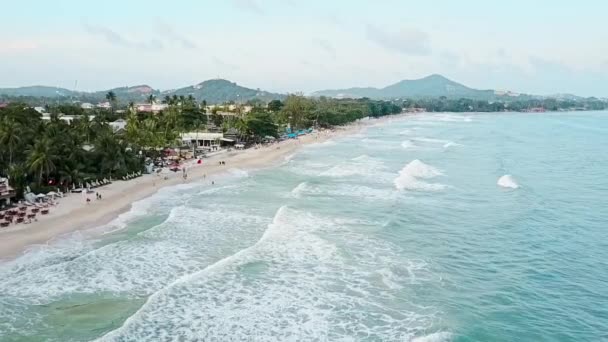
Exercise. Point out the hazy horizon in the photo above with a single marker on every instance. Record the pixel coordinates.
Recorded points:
(292, 46)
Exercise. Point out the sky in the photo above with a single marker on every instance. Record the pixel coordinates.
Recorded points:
(538, 47)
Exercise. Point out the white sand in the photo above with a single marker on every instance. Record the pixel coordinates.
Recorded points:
(73, 213)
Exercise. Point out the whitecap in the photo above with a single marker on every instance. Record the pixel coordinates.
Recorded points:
(507, 181)
(408, 144)
(238, 172)
(298, 190)
(441, 336)
(410, 177)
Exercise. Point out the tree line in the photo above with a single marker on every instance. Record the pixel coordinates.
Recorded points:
(51, 153)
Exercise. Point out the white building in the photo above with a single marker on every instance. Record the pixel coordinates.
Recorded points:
(104, 105)
(40, 110)
(118, 125)
(202, 141)
(87, 105)
(151, 108)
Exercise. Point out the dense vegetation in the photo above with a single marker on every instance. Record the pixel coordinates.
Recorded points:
(444, 104)
(45, 154)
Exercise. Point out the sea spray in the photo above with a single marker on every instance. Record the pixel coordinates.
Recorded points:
(410, 177)
(507, 181)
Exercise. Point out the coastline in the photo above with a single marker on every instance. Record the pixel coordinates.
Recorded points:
(73, 214)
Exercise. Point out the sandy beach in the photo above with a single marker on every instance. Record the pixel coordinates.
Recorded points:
(73, 213)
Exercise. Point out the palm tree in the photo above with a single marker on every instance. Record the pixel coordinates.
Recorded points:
(40, 159)
(107, 147)
(10, 137)
(133, 132)
(111, 97)
(151, 99)
(241, 126)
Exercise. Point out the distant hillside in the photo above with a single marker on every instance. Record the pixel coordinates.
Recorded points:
(427, 87)
(139, 93)
(38, 91)
(213, 91)
(219, 91)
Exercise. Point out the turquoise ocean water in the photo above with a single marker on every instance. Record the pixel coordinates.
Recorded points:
(439, 227)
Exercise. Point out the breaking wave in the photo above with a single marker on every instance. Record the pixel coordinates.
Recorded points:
(507, 181)
(410, 177)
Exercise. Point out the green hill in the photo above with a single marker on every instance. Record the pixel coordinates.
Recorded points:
(219, 91)
(38, 91)
(427, 87)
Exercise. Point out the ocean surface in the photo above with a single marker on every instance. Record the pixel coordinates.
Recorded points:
(438, 227)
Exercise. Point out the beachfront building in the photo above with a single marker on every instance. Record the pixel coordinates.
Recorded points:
(104, 105)
(154, 108)
(6, 192)
(206, 141)
(66, 118)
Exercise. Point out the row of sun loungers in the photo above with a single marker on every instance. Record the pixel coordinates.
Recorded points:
(20, 215)
(88, 186)
(132, 175)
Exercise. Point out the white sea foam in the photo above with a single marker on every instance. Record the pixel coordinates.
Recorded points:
(299, 190)
(434, 337)
(136, 266)
(431, 140)
(507, 181)
(326, 143)
(293, 271)
(408, 144)
(238, 172)
(363, 165)
(410, 177)
(444, 117)
(289, 157)
(450, 144)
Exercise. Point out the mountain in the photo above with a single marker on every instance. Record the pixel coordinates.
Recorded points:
(213, 91)
(139, 93)
(219, 91)
(37, 91)
(430, 86)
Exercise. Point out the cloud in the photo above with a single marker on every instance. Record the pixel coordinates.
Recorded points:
(117, 39)
(249, 6)
(326, 46)
(167, 31)
(406, 41)
(18, 46)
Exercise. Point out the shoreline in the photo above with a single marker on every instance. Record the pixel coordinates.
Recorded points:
(73, 214)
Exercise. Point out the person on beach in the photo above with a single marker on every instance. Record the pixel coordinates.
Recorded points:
(88, 200)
